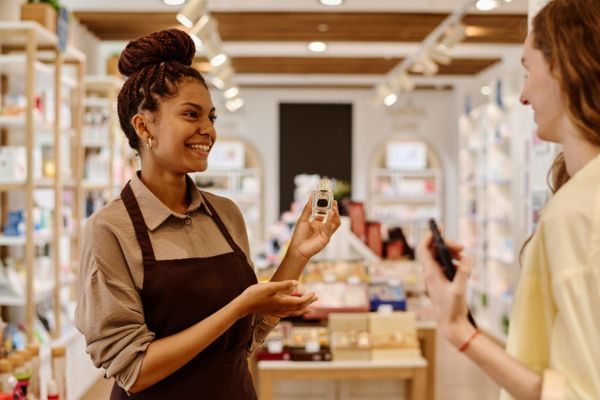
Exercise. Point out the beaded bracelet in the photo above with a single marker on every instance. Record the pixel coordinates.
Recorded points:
(465, 346)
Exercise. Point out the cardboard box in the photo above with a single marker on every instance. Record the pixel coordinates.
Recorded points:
(42, 13)
(393, 335)
(348, 322)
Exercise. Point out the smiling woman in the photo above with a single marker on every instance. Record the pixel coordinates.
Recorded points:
(169, 303)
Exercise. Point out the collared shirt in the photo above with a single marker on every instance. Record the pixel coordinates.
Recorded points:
(109, 310)
(555, 324)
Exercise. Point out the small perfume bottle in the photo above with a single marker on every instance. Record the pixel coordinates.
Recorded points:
(322, 200)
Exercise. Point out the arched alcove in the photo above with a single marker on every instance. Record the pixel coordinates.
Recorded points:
(405, 185)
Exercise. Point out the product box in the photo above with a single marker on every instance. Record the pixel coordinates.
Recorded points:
(349, 336)
(393, 336)
(348, 322)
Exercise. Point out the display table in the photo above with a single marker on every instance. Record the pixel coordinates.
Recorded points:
(413, 370)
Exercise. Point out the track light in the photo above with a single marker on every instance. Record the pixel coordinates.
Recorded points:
(218, 60)
(231, 92)
(402, 83)
(425, 65)
(204, 27)
(191, 12)
(454, 35)
(234, 104)
(389, 97)
(440, 54)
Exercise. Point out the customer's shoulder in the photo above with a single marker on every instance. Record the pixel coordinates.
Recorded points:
(576, 200)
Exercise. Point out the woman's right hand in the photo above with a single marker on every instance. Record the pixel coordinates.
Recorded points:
(275, 299)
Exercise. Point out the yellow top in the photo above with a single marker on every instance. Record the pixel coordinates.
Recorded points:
(555, 323)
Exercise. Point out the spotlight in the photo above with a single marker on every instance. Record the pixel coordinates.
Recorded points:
(486, 90)
(331, 2)
(234, 104)
(402, 82)
(486, 5)
(317, 47)
(218, 60)
(440, 54)
(204, 27)
(454, 35)
(389, 97)
(231, 92)
(425, 65)
(191, 12)
(173, 2)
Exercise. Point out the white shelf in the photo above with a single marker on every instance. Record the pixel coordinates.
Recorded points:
(426, 198)
(426, 173)
(14, 66)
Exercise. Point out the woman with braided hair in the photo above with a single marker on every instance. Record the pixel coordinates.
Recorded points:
(553, 349)
(168, 303)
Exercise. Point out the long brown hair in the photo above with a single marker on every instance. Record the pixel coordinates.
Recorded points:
(567, 32)
(154, 65)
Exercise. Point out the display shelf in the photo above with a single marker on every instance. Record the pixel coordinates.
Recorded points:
(405, 192)
(39, 79)
(238, 179)
(488, 219)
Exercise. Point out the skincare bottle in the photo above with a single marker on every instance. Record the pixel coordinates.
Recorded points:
(322, 200)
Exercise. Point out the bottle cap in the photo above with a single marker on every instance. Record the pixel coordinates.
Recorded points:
(5, 366)
(325, 185)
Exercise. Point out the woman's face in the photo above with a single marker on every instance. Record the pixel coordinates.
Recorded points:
(184, 130)
(542, 92)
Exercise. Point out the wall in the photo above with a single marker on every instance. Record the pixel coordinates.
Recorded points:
(258, 123)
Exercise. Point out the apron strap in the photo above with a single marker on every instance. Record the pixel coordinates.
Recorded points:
(222, 226)
(141, 230)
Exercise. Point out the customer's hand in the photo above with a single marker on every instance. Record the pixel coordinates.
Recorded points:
(448, 298)
(275, 299)
(310, 237)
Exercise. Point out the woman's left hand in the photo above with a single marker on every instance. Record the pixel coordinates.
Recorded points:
(310, 237)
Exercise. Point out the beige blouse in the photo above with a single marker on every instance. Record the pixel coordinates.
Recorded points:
(109, 310)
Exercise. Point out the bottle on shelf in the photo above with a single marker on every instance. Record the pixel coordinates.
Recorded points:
(53, 390)
(6, 378)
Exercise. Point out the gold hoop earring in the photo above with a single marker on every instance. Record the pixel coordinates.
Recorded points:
(149, 143)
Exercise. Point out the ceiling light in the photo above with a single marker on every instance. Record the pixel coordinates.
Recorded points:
(191, 12)
(390, 99)
(486, 90)
(197, 41)
(425, 65)
(331, 2)
(455, 34)
(486, 5)
(402, 82)
(205, 26)
(173, 2)
(317, 47)
(235, 104)
(440, 54)
(231, 92)
(218, 60)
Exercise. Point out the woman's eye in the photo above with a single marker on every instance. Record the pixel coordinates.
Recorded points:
(191, 114)
(213, 118)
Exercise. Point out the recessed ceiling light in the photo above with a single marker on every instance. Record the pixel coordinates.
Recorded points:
(317, 47)
(486, 5)
(486, 90)
(173, 2)
(331, 2)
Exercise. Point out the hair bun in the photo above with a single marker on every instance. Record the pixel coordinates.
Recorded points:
(155, 48)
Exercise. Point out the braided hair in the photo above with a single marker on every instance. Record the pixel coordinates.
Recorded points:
(153, 65)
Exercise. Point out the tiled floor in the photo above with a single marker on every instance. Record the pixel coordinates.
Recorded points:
(457, 379)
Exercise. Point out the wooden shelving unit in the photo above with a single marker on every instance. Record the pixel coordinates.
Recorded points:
(48, 82)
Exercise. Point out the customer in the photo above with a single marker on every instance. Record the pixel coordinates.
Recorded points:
(168, 301)
(553, 347)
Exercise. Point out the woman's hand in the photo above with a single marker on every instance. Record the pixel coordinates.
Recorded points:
(310, 237)
(448, 298)
(275, 299)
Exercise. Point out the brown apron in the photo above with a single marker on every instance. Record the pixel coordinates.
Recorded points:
(177, 294)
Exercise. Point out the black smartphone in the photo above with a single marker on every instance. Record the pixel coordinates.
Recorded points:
(444, 258)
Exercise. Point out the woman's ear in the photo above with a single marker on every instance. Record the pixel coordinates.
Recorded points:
(140, 124)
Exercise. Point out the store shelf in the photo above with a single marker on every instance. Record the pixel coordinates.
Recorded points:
(101, 102)
(90, 186)
(427, 198)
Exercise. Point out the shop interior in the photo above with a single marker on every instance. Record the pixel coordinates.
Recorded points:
(410, 107)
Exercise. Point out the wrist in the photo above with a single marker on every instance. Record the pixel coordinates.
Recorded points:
(296, 256)
(240, 307)
(460, 332)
